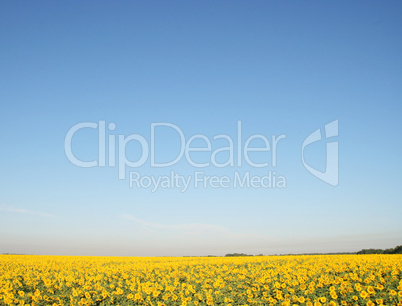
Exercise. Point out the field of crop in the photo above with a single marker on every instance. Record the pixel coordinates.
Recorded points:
(273, 280)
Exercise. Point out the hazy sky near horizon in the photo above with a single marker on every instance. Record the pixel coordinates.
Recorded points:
(272, 70)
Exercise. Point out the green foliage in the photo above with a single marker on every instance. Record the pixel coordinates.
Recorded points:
(396, 250)
(237, 254)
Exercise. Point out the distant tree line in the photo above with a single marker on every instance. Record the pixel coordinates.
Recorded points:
(240, 254)
(396, 250)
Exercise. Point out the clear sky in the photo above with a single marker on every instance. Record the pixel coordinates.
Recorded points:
(277, 68)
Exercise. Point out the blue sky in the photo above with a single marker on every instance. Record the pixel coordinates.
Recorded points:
(279, 68)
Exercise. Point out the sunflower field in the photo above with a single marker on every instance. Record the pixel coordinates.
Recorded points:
(254, 280)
